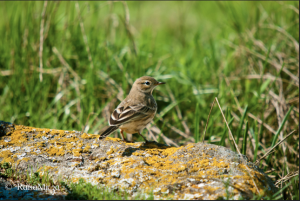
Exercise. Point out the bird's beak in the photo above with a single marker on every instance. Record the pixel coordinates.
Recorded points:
(159, 83)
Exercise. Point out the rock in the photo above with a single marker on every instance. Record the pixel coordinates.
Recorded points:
(194, 171)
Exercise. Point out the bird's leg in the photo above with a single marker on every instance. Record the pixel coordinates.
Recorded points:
(143, 137)
(123, 136)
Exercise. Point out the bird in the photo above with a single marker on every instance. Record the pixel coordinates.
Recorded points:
(136, 111)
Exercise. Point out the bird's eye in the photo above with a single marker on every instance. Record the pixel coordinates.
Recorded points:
(147, 83)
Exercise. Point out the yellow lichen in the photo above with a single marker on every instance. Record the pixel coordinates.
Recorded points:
(69, 146)
(52, 151)
(87, 148)
(75, 164)
(114, 139)
(76, 179)
(25, 159)
(77, 152)
(112, 150)
(88, 136)
(40, 144)
(46, 168)
(8, 160)
(5, 153)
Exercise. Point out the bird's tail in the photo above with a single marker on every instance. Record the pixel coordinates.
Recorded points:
(108, 131)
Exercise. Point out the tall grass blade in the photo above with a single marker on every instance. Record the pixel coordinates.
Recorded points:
(286, 186)
(244, 147)
(196, 124)
(222, 142)
(256, 138)
(229, 131)
(203, 138)
(279, 130)
(230, 139)
(241, 125)
(268, 152)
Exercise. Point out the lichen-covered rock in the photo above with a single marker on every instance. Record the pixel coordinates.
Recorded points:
(194, 171)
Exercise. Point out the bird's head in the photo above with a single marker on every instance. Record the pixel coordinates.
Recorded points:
(146, 84)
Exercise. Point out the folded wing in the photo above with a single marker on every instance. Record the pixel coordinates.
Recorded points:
(123, 115)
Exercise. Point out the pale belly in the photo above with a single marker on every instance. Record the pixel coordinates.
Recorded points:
(136, 126)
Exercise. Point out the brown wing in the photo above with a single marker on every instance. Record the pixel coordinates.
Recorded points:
(123, 115)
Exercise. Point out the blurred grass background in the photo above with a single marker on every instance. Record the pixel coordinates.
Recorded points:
(67, 65)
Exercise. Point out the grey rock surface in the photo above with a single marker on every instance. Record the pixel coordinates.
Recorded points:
(194, 171)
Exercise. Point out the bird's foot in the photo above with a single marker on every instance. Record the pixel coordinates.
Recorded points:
(127, 141)
(148, 141)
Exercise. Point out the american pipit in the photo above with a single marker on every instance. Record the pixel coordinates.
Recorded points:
(136, 111)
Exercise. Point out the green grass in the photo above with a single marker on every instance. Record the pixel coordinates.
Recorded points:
(76, 191)
(86, 191)
(27, 178)
(243, 50)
